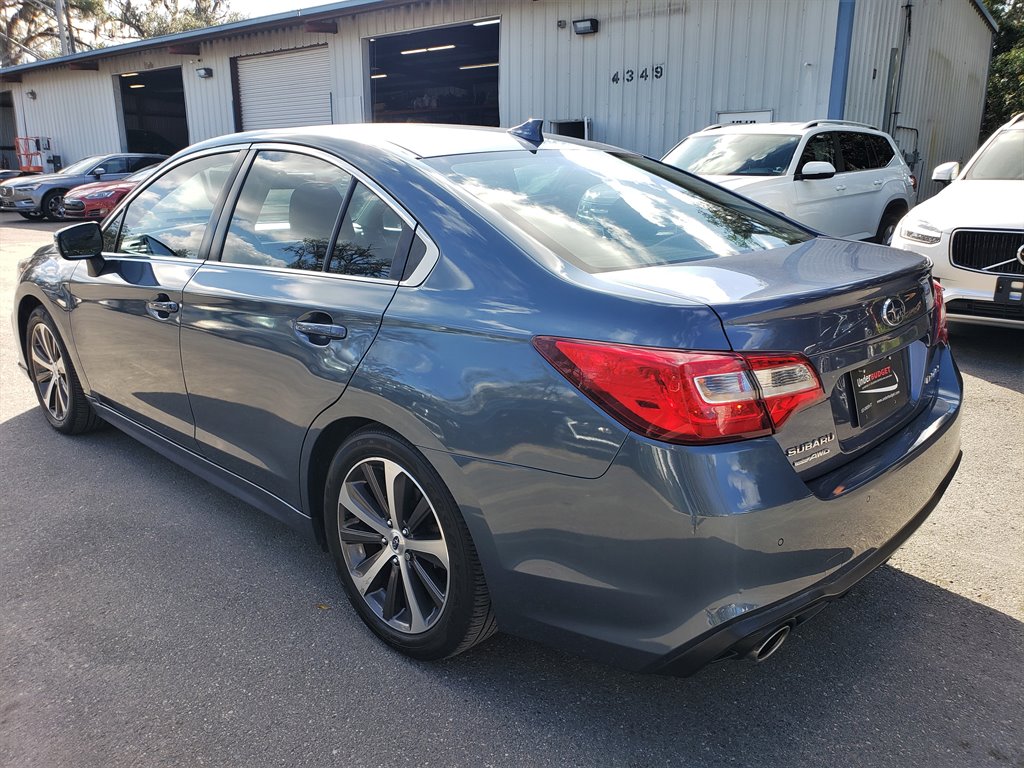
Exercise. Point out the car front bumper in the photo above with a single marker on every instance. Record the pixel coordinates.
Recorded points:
(678, 555)
(19, 201)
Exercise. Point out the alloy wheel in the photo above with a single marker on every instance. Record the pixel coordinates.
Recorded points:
(393, 545)
(49, 372)
(55, 207)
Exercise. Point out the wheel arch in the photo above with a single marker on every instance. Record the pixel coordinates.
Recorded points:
(318, 462)
(26, 307)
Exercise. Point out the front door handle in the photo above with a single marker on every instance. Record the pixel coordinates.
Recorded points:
(161, 308)
(840, 187)
(877, 182)
(320, 334)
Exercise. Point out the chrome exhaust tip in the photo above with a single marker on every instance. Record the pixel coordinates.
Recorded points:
(769, 645)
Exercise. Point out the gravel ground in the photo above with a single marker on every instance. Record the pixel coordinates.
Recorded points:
(148, 619)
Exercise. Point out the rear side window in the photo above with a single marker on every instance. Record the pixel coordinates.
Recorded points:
(287, 211)
(602, 211)
(171, 215)
(370, 235)
(884, 152)
(856, 151)
(819, 148)
(138, 163)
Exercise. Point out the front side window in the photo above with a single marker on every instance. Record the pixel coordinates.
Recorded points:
(856, 151)
(1003, 159)
(734, 154)
(601, 211)
(820, 148)
(286, 213)
(170, 217)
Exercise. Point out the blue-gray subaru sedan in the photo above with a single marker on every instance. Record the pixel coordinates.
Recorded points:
(513, 382)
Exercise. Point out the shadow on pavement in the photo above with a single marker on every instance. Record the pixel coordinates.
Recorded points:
(175, 604)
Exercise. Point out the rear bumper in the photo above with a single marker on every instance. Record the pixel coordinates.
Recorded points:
(677, 554)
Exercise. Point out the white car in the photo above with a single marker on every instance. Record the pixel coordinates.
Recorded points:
(841, 178)
(973, 231)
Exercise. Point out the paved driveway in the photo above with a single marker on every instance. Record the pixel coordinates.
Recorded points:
(148, 619)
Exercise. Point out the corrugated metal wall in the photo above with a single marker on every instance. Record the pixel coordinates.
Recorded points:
(942, 95)
(715, 55)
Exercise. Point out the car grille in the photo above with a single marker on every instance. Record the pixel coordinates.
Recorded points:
(986, 250)
(985, 309)
(73, 205)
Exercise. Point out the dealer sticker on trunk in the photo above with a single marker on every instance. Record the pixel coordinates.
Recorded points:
(879, 389)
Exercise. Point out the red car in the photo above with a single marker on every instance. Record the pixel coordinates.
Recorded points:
(94, 201)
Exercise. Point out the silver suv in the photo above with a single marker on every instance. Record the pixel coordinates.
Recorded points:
(36, 197)
(841, 178)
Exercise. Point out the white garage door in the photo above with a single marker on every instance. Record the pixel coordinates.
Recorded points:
(283, 90)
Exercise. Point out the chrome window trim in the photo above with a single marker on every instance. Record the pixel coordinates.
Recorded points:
(427, 263)
(290, 271)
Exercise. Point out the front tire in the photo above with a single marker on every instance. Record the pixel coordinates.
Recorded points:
(32, 215)
(53, 205)
(54, 379)
(402, 549)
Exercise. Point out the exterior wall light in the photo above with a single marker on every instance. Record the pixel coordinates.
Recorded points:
(205, 73)
(31, 95)
(584, 26)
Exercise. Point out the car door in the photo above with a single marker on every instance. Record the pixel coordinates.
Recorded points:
(863, 182)
(127, 310)
(820, 203)
(273, 330)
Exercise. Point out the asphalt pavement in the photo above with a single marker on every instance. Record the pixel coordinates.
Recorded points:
(148, 619)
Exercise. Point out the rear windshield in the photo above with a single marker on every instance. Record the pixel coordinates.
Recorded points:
(734, 154)
(602, 211)
(1003, 159)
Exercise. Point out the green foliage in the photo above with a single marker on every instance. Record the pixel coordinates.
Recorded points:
(1005, 95)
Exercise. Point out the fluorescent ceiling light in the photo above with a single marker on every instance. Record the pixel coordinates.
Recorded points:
(414, 50)
(130, 74)
(378, 77)
(479, 66)
(441, 47)
(137, 85)
(485, 23)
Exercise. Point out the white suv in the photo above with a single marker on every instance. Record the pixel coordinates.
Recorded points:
(841, 178)
(973, 231)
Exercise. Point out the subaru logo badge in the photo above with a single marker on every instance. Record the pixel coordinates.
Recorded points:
(893, 312)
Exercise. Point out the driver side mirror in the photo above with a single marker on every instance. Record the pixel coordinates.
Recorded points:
(946, 172)
(80, 241)
(816, 169)
(97, 172)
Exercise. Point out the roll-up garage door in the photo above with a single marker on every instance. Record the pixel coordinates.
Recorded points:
(283, 90)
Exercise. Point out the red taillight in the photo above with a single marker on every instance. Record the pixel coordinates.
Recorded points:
(686, 397)
(941, 329)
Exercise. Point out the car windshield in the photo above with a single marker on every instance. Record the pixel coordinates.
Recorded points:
(1003, 159)
(82, 166)
(734, 154)
(602, 211)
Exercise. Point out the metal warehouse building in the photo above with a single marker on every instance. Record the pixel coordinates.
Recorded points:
(640, 74)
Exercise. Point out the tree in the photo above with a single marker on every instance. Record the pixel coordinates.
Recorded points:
(1005, 95)
(29, 29)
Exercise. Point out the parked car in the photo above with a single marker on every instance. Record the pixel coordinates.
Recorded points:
(42, 196)
(510, 381)
(841, 178)
(96, 200)
(973, 231)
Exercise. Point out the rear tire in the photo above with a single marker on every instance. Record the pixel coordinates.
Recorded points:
(887, 226)
(402, 550)
(54, 379)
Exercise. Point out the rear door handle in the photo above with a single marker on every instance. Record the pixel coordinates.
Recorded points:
(878, 182)
(320, 333)
(840, 187)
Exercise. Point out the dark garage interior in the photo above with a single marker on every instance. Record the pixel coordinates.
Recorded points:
(439, 75)
(154, 111)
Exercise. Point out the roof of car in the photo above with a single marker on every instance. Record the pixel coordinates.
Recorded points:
(791, 127)
(414, 140)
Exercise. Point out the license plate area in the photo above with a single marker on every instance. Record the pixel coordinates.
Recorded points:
(1009, 290)
(879, 389)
